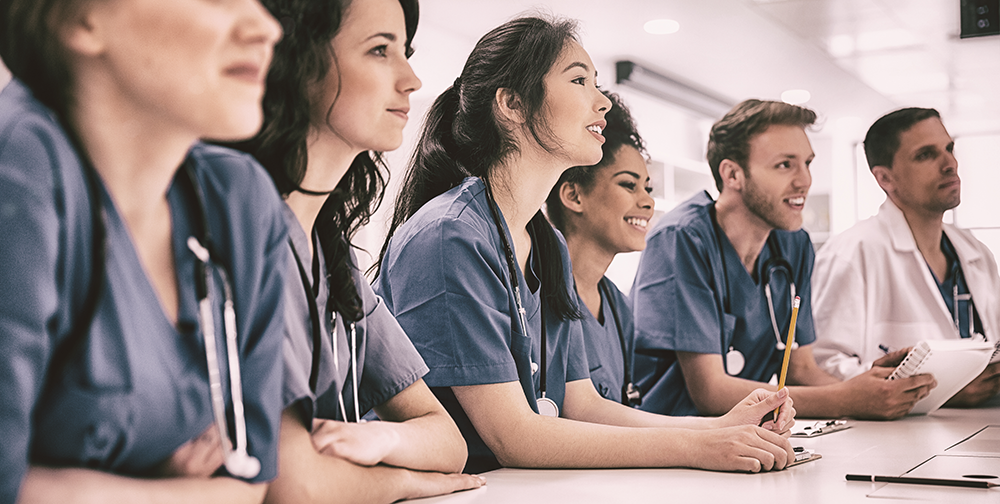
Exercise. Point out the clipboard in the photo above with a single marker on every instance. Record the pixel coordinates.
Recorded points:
(819, 428)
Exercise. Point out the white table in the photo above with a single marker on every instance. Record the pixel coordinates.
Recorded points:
(883, 448)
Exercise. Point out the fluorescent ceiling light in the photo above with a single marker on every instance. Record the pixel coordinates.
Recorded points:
(662, 26)
(637, 77)
(795, 96)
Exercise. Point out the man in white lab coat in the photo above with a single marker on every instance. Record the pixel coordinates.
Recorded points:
(904, 275)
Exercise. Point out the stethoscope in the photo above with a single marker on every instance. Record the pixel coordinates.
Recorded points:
(630, 394)
(546, 406)
(317, 332)
(237, 460)
(776, 263)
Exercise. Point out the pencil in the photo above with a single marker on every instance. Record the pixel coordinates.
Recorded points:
(789, 341)
(921, 481)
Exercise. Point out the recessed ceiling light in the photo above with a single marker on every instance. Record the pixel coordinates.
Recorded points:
(795, 96)
(662, 26)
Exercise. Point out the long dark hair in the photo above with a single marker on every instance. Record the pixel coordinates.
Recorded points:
(32, 50)
(463, 136)
(619, 132)
(303, 57)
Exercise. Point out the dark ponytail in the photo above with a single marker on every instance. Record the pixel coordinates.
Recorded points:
(463, 135)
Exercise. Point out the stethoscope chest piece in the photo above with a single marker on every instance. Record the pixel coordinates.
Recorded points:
(734, 362)
(547, 407)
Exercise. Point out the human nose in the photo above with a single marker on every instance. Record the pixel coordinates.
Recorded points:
(645, 200)
(258, 25)
(408, 81)
(950, 162)
(602, 104)
(803, 178)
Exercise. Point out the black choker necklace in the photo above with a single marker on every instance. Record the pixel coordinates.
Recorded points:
(307, 192)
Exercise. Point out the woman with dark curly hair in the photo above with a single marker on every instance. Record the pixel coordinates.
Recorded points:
(338, 94)
(604, 210)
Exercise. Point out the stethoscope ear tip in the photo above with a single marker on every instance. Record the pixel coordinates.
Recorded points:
(242, 465)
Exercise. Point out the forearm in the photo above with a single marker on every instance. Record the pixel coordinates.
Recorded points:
(325, 479)
(584, 404)
(823, 401)
(543, 442)
(66, 486)
(430, 442)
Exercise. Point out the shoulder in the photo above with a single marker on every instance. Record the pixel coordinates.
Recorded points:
(461, 214)
(690, 220)
(236, 178)
(30, 134)
(869, 234)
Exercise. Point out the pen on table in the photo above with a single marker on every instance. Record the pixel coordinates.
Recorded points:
(789, 342)
(921, 481)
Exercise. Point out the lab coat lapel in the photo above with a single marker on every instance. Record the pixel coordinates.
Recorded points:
(904, 244)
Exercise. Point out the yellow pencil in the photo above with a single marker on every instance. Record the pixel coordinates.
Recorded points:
(789, 341)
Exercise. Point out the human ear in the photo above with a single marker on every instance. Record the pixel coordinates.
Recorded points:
(83, 31)
(732, 174)
(569, 195)
(509, 105)
(883, 175)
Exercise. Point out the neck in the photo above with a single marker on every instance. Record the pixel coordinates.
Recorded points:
(521, 185)
(926, 228)
(590, 263)
(135, 152)
(746, 232)
(327, 162)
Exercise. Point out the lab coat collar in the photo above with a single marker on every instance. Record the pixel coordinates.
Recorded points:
(902, 237)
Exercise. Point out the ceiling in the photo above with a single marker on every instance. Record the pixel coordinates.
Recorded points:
(857, 58)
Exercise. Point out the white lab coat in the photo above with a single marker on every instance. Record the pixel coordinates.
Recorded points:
(871, 287)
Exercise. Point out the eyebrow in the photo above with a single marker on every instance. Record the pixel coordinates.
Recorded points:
(577, 64)
(632, 173)
(390, 36)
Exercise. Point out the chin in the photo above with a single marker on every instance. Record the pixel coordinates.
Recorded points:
(240, 126)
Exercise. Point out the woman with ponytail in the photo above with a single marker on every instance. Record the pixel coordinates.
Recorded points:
(482, 283)
(337, 94)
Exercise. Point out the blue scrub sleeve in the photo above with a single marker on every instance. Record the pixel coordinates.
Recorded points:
(29, 252)
(456, 309)
(391, 362)
(805, 330)
(676, 308)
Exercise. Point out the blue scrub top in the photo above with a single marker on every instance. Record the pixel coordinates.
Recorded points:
(387, 361)
(678, 304)
(604, 342)
(445, 277)
(138, 388)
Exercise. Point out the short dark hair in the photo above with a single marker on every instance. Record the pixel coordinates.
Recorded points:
(882, 140)
(619, 132)
(730, 136)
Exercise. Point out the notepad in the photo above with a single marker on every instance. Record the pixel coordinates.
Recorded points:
(954, 363)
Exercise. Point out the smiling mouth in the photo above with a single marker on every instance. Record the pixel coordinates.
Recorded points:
(797, 201)
(638, 222)
(595, 129)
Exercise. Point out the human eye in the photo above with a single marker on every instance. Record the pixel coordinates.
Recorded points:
(627, 185)
(580, 81)
(785, 164)
(649, 189)
(380, 51)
